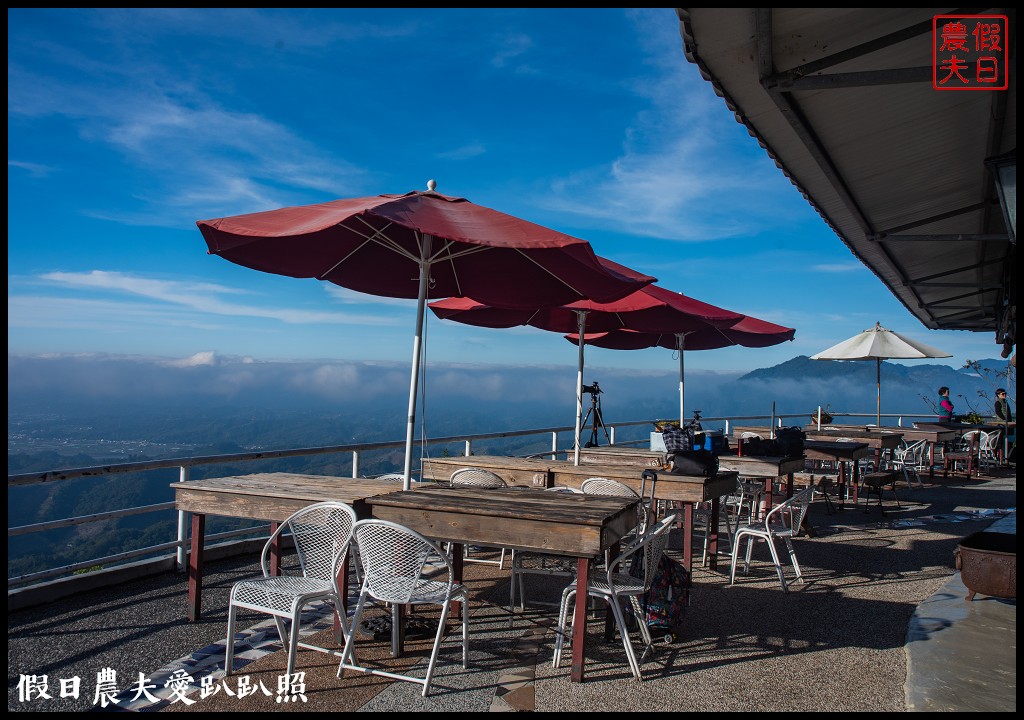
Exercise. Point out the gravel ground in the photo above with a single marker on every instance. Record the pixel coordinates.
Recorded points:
(834, 643)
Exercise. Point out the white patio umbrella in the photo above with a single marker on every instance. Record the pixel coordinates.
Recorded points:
(880, 344)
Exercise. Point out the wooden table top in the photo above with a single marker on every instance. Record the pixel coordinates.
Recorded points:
(614, 455)
(760, 466)
(836, 449)
(669, 486)
(528, 472)
(522, 518)
(885, 439)
(273, 496)
(520, 471)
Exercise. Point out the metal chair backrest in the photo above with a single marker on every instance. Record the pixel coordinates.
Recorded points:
(789, 515)
(391, 477)
(477, 477)
(647, 550)
(614, 488)
(394, 558)
(321, 533)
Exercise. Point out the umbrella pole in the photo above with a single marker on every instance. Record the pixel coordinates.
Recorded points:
(681, 346)
(417, 344)
(581, 325)
(878, 385)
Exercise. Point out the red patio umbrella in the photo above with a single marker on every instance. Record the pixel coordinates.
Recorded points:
(651, 308)
(420, 245)
(748, 332)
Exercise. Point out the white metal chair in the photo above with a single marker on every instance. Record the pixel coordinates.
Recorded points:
(402, 567)
(782, 521)
(988, 449)
(618, 584)
(910, 459)
(483, 478)
(614, 488)
(525, 562)
(321, 533)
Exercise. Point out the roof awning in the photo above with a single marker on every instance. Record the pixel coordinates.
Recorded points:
(842, 101)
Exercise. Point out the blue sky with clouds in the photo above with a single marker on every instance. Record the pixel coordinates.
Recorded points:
(125, 127)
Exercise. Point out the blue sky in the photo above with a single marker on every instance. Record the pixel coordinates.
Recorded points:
(125, 127)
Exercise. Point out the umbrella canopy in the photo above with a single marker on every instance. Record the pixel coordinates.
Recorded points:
(748, 332)
(420, 245)
(651, 308)
(879, 344)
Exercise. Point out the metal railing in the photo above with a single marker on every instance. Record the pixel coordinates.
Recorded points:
(357, 450)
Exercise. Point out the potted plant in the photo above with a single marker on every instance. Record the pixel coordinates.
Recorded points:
(826, 415)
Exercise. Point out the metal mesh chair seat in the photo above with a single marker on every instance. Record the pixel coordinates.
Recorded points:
(402, 567)
(321, 533)
(615, 586)
(783, 521)
(410, 591)
(278, 595)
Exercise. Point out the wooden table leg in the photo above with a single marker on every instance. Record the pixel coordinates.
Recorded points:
(275, 551)
(579, 620)
(842, 484)
(713, 534)
(688, 535)
(195, 568)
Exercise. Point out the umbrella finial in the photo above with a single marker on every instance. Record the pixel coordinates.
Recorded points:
(431, 184)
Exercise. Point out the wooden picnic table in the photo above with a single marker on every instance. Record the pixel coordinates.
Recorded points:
(840, 452)
(685, 489)
(580, 526)
(880, 440)
(263, 496)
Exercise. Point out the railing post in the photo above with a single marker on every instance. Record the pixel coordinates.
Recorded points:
(469, 448)
(355, 463)
(179, 554)
(554, 445)
(611, 435)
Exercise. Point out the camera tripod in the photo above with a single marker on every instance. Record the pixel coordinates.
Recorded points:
(598, 420)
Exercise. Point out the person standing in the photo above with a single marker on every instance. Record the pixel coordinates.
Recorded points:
(1003, 411)
(1005, 416)
(945, 405)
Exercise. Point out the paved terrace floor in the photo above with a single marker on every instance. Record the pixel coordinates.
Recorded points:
(881, 624)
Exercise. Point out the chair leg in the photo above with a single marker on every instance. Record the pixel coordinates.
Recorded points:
(778, 565)
(620, 620)
(750, 549)
(437, 644)
(348, 655)
(229, 646)
(293, 643)
(792, 559)
(735, 554)
(641, 619)
(567, 595)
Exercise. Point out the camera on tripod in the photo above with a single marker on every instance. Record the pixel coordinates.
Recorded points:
(594, 389)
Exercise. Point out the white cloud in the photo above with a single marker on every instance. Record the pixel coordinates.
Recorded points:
(206, 358)
(202, 297)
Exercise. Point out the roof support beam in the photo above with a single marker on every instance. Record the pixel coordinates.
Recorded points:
(936, 218)
(835, 81)
(883, 237)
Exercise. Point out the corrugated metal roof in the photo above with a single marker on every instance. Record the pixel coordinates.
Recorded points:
(895, 167)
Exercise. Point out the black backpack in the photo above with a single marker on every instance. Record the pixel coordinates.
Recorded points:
(791, 441)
